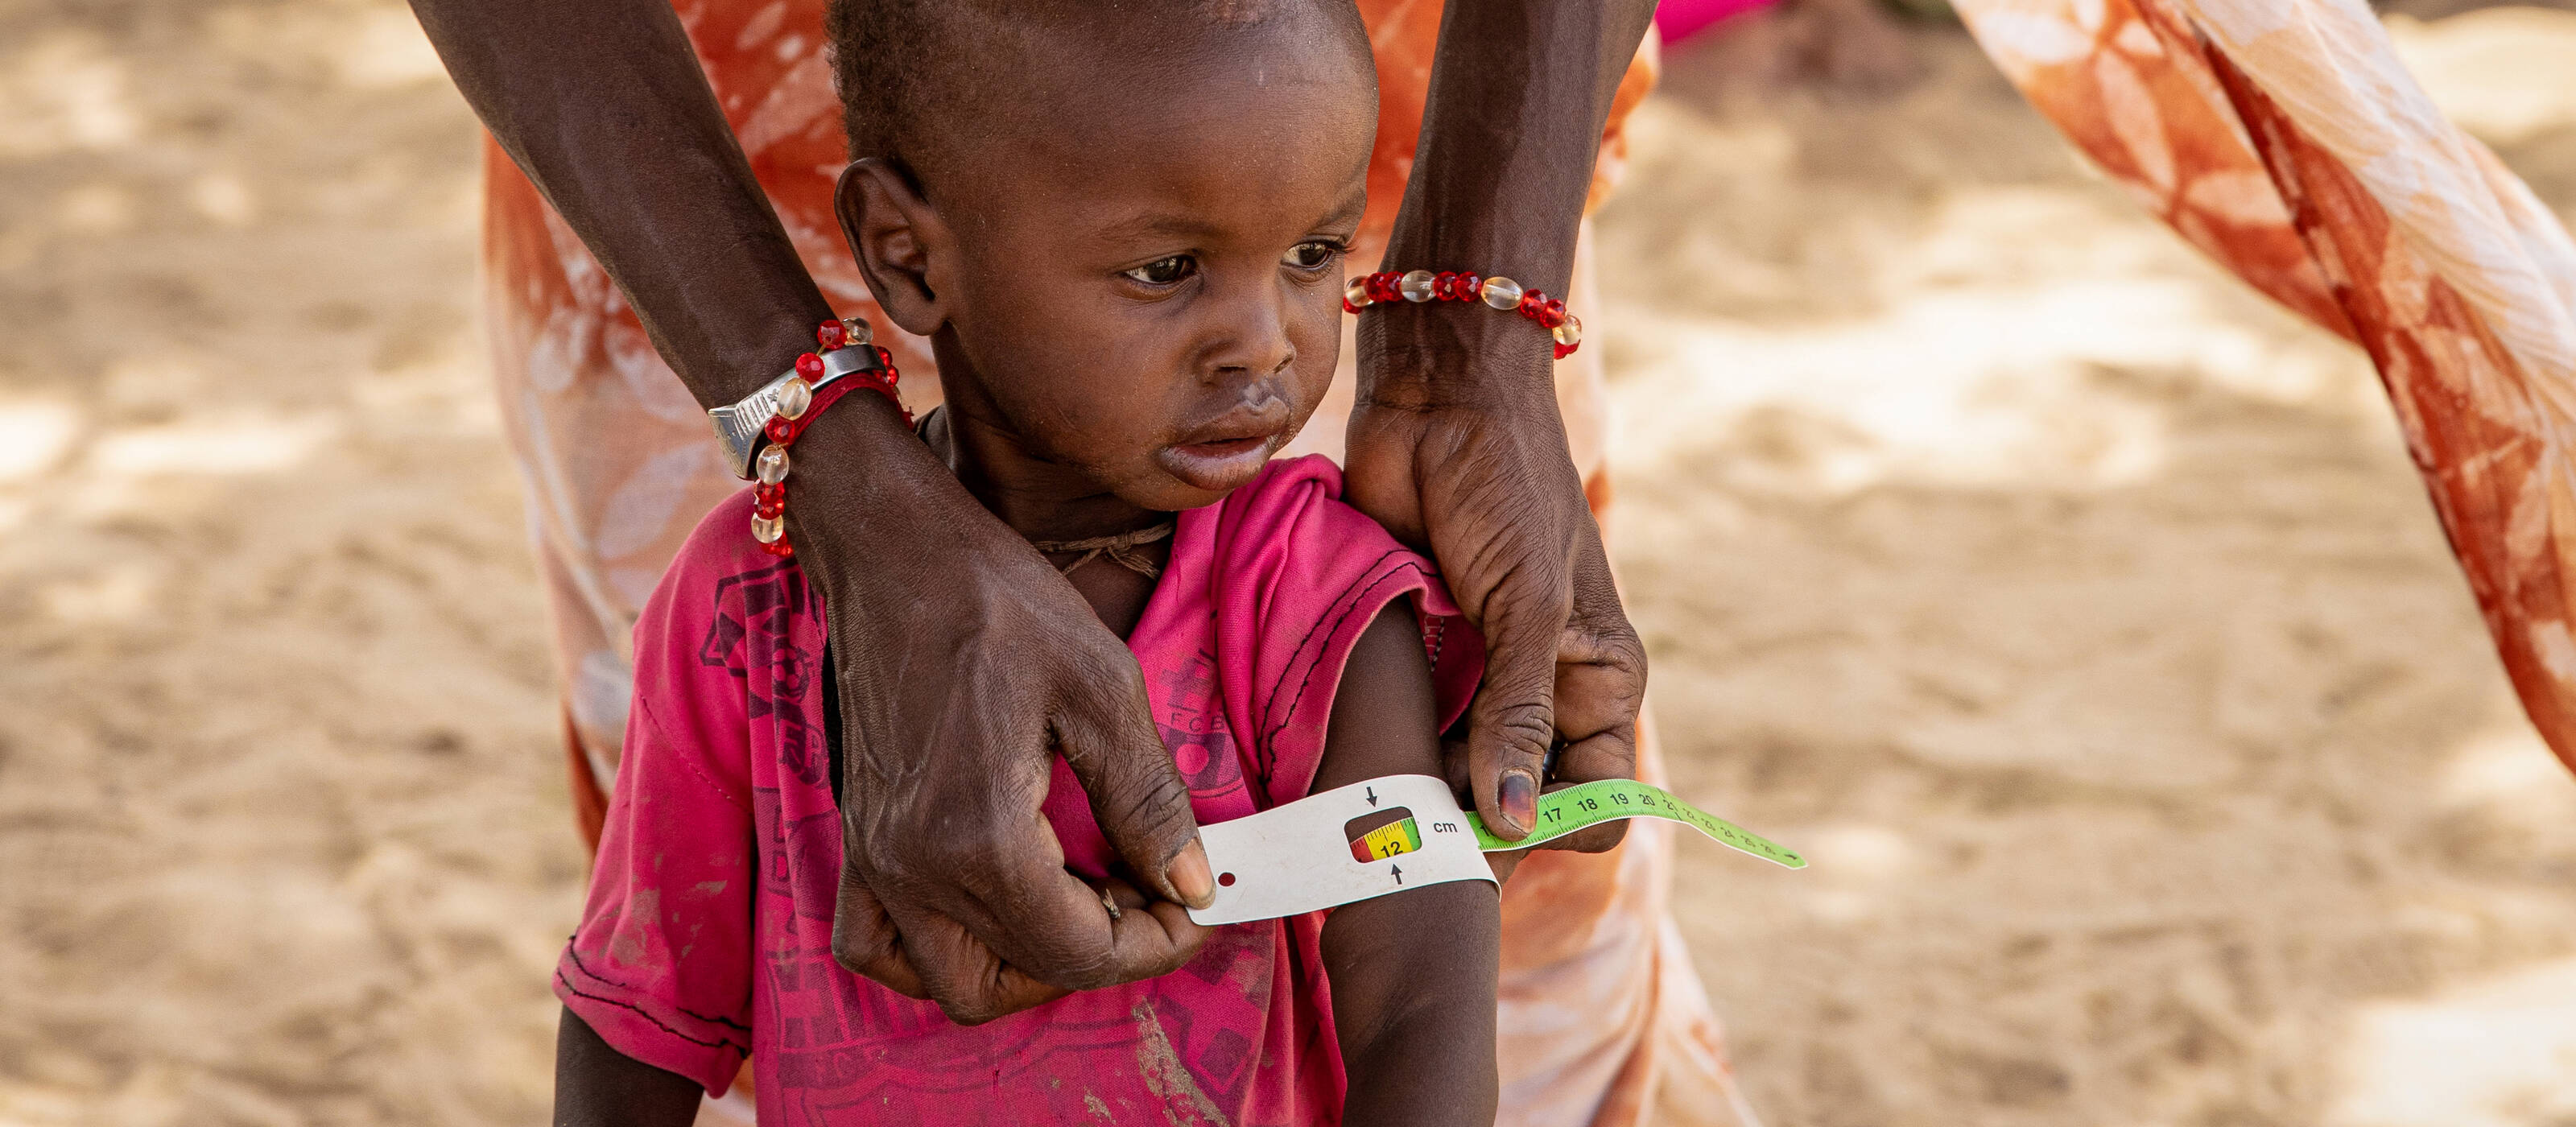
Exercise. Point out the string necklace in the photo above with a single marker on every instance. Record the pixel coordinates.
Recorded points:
(1121, 550)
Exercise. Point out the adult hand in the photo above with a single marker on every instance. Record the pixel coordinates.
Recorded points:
(966, 663)
(1456, 445)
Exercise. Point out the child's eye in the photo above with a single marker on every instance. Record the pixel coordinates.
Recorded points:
(1165, 271)
(1312, 255)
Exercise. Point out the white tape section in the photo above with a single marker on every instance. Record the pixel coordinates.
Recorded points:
(1296, 858)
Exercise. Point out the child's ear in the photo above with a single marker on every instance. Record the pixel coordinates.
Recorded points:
(898, 239)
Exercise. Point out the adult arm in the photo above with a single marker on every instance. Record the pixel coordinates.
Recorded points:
(597, 1086)
(1413, 974)
(1456, 443)
(956, 691)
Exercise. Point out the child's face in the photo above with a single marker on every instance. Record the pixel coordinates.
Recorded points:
(1147, 290)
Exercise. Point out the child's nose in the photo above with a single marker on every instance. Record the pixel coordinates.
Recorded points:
(1253, 337)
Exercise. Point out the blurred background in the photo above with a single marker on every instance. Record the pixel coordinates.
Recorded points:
(2074, 609)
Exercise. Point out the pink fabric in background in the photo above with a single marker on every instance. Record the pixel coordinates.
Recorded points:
(707, 936)
(1679, 19)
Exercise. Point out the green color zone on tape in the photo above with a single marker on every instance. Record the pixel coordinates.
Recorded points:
(1574, 808)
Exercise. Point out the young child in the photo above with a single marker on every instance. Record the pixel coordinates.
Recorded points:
(1122, 227)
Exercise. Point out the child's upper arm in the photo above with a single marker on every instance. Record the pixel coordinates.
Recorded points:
(1413, 974)
(1384, 721)
(660, 965)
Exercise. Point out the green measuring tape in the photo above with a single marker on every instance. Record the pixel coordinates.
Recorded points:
(1591, 804)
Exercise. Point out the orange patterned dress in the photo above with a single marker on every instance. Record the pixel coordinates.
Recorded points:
(2284, 139)
(1602, 1013)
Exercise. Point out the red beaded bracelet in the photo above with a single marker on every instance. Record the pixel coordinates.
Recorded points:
(799, 404)
(1450, 285)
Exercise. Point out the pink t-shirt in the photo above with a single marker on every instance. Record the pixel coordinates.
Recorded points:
(708, 931)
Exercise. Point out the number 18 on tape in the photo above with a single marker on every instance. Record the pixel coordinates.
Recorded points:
(1405, 831)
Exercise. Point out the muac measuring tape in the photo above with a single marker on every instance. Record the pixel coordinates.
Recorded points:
(1301, 858)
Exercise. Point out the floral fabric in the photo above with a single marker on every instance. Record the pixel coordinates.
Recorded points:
(2284, 139)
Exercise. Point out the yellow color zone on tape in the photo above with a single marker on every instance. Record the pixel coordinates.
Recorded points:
(1387, 841)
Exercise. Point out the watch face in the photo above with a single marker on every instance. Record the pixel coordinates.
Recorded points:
(738, 425)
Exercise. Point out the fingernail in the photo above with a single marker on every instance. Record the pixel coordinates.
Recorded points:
(1518, 795)
(1189, 876)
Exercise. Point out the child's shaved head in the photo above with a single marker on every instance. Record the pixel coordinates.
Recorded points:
(1120, 223)
(921, 79)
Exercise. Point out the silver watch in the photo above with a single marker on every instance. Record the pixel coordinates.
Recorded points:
(741, 427)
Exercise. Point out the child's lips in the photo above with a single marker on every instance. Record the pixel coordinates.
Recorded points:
(1224, 452)
(1226, 447)
(1219, 464)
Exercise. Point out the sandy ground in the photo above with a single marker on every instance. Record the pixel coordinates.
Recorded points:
(2077, 612)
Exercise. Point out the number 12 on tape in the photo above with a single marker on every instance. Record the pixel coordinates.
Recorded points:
(1303, 856)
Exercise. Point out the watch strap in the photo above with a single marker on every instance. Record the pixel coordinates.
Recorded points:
(741, 426)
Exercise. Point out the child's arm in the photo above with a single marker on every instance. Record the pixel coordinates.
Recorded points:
(1413, 973)
(597, 1085)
